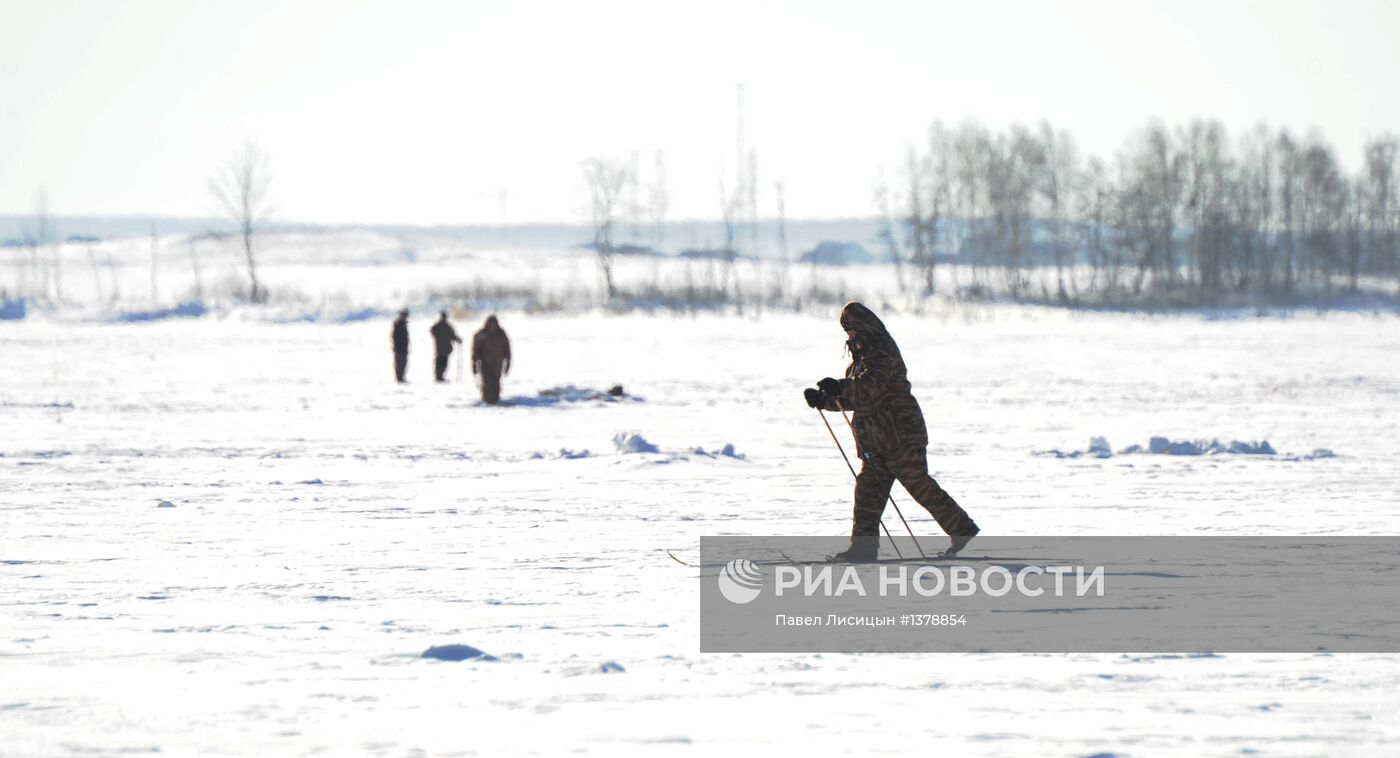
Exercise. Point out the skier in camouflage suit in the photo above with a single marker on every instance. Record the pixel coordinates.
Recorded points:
(891, 437)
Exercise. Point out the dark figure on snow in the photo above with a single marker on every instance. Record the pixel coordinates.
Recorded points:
(891, 438)
(491, 358)
(443, 337)
(400, 345)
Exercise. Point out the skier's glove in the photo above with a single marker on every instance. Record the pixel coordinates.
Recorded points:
(831, 387)
(814, 397)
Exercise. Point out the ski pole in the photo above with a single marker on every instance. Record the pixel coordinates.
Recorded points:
(832, 432)
(917, 546)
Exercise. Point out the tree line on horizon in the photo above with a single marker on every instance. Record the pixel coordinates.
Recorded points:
(1185, 214)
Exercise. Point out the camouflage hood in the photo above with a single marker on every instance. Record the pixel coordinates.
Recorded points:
(868, 327)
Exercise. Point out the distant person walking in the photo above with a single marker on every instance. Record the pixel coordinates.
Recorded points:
(491, 358)
(401, 345)
(443, 337)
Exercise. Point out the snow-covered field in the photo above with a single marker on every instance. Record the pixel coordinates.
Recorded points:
(328, 527)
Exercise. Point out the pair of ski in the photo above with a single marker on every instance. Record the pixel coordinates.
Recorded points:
(913, 561)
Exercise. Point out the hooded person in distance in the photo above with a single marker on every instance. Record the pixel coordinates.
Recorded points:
(491, 358)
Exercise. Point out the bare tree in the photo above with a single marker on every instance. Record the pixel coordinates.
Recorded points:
(972, 155)
(1326, 198)
(96, 272)
(939, 220)
(1154, 192)
(738, 206)
(1288, 194)
(116, 282)
(241, 188)
(607, 179)
(784, 260)
(1206, 184)
(633, 198)
(1254, 214)
(1059, 174)
(38, 239)
(1353, 245)
(1092, 207)
(659, 201)
(730, 206)
(916, 223)
(1016, 161)
(880, 191)
(751, 195)
(1382, 206)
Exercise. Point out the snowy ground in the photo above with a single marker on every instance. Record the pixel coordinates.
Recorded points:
(328, 527)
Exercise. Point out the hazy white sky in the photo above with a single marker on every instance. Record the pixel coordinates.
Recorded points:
(421, 112)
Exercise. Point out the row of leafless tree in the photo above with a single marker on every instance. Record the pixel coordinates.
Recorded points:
(1188, 213)
(240, 189)
(615, 185)
(620, 196)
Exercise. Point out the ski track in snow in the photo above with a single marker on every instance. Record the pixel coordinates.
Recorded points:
(329, 528)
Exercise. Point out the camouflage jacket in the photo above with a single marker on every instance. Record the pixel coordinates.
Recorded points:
(490, 345)
(887, 417)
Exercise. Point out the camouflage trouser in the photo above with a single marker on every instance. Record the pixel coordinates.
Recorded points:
(910, 467)
(491, 381)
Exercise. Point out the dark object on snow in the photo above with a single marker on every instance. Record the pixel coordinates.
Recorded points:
(443, 337)
(455, 653)
(1164, 446)
(1252, 448)
(571, 394)
(891, 438)
(491, 358)
(400, 339)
